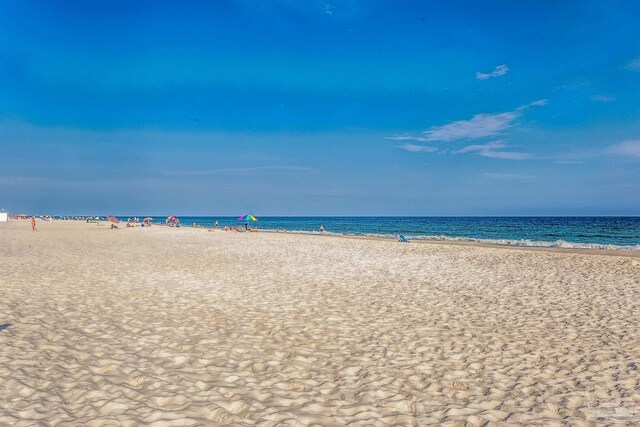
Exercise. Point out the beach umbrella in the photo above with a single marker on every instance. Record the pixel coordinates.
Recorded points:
(246, 218)
(113, 219)
(148, 219)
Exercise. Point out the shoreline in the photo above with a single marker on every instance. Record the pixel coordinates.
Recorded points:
(631, 253)
(611, 252)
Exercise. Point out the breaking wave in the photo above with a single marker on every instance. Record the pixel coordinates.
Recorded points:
(563, 244)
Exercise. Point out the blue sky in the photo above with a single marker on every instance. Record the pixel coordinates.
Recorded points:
(320, 107)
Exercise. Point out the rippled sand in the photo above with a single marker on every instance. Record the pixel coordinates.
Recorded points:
(187, 327)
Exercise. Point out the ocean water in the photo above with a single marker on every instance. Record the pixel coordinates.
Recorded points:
(621, 233)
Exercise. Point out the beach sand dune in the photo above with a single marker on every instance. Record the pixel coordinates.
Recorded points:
(181, 327)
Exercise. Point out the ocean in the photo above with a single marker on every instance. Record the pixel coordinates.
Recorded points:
(622, 233)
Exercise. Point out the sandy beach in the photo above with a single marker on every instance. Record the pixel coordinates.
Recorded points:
(185, 327)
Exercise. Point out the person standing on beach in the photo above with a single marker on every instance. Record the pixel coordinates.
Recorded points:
(33, 223)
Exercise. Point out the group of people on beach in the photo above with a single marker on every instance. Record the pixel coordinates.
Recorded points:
(172, 222)
(175, 222)
(239, 228)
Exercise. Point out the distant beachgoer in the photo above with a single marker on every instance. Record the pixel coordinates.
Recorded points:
(215, 224)
(322, 228)
(246, 225)
(33, 223)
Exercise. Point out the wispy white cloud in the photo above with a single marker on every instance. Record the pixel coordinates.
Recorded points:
(329, 8)
(603, 98)
(629, 148)
(500, 70)
(481, 147)
(479, 126)
(509, 176)
(491, 150)
(242, 171)
(538, 103)
(506, 155)
(415, 148)
(407, 138)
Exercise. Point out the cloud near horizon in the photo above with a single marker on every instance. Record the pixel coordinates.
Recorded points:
(500, 70)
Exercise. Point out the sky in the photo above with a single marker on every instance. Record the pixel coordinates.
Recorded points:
(290, 107)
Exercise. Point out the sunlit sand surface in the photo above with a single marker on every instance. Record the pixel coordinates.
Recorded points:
(182, 327)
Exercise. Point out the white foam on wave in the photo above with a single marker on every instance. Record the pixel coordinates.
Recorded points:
(535, 243)
(506, 242)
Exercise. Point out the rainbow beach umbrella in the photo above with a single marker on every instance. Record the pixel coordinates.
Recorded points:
(247, 217)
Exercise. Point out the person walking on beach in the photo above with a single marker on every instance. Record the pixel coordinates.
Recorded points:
(33, 223)
(321, 228)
